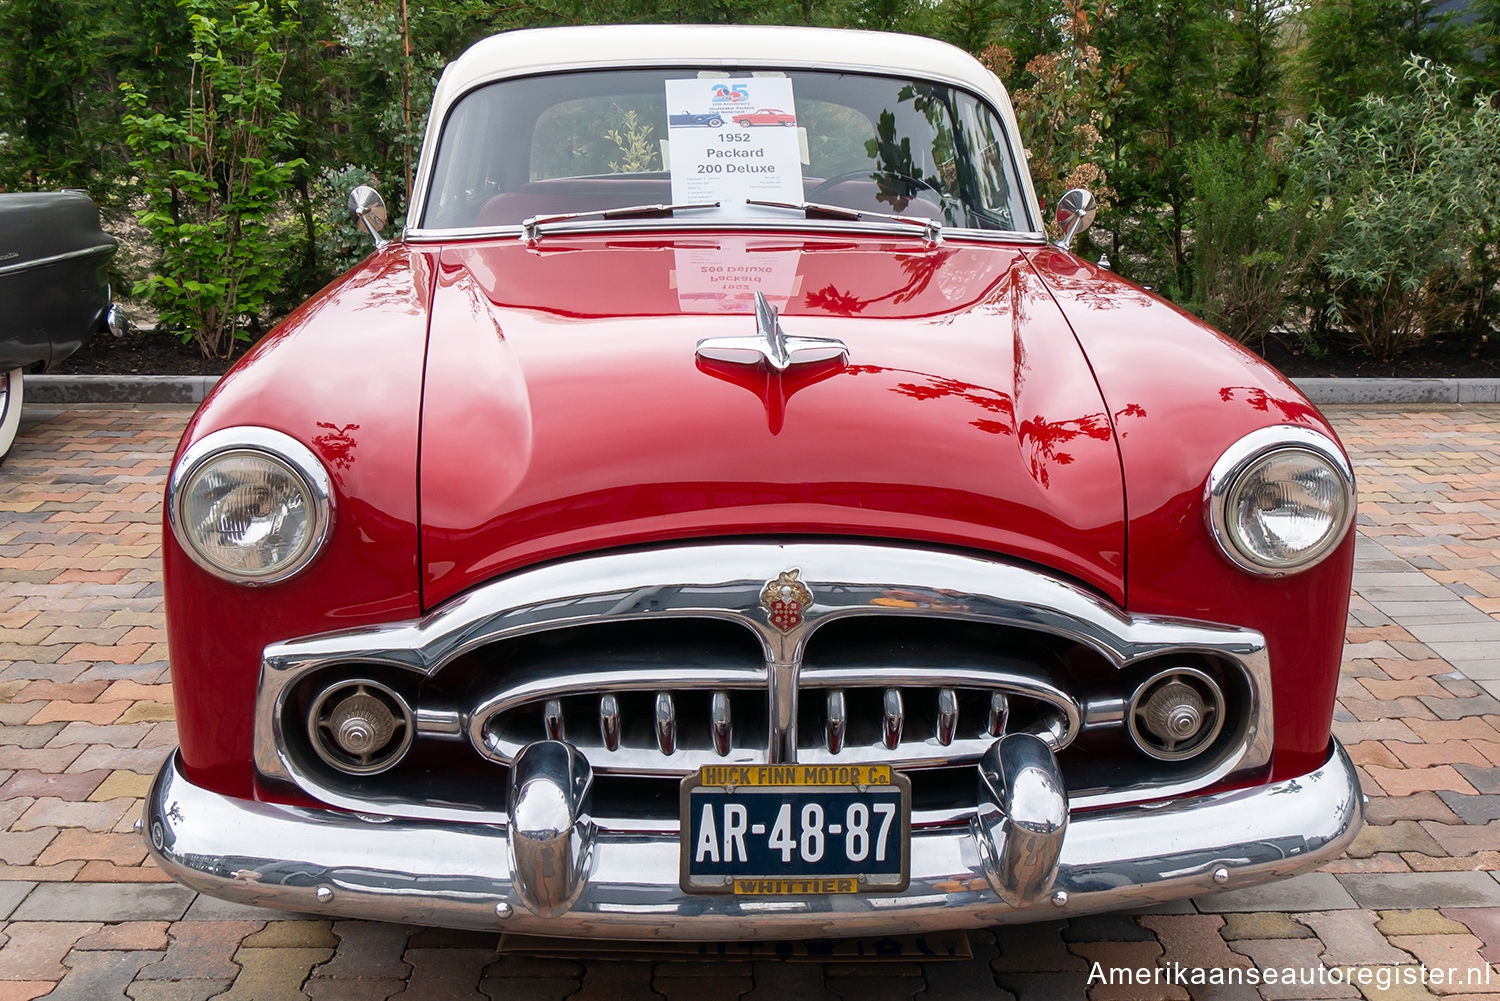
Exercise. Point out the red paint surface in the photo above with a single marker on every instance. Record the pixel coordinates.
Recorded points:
(966, 415)
(343, 375)
(1181, 394)
(565, 412)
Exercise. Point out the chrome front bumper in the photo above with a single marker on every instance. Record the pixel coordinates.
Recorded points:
(463, 875)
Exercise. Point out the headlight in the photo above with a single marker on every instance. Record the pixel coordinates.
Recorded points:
(1279, 500)
(250, 505)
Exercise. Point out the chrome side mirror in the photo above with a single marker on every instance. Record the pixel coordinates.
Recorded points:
(1075, 213)
(368, 209)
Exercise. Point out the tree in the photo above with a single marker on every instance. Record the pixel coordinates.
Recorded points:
(1172, 58)
(1414, 183)
(1358, 47)
(214, 174)
(42, 61)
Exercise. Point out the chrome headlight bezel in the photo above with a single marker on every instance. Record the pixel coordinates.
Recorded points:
(1247, 453)
(281, 449)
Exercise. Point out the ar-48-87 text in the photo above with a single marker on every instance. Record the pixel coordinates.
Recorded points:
(806, 834)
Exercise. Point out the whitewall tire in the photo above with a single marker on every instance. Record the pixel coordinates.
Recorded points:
(10, 408)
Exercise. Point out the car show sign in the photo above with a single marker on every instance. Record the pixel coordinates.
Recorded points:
(731, 139)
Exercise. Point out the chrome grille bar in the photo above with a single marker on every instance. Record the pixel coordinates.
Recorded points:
(947, 716)
(666, 724)
(720, 723)
(999, 714)
(894, 720)
(552, 720)
(837, 723)
(609, 722)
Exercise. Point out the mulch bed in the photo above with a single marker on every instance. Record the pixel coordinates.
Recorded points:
(151, 354)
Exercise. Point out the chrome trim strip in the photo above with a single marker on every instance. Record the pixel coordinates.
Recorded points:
(757, 223)
(1237, 458)
(457, 874)
(724, 582)
(72, 255)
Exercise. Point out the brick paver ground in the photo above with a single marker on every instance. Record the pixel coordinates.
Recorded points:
(86, 715)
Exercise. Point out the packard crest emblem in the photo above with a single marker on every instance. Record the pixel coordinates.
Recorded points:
(784, 599)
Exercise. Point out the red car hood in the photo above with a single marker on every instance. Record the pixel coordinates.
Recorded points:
(565, 409)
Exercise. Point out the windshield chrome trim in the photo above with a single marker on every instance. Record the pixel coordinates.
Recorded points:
(816, 226)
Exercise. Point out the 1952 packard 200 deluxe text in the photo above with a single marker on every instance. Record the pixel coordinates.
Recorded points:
(746, 532)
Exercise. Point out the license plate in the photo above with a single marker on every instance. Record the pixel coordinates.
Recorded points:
(784, 830)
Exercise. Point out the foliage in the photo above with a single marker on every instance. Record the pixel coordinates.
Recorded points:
(40, 128)
(1062, 110)
(1120, 96)
(213, 175)
(1255, 230)
(1359, 47)
(341, 241)
(633, 140)
(1413, 181)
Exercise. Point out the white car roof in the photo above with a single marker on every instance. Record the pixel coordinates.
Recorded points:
(517, 53)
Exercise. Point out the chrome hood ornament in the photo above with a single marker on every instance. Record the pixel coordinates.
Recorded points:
(771, 344)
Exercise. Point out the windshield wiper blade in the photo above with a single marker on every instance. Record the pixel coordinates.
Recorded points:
(932, 230)
(531, 229)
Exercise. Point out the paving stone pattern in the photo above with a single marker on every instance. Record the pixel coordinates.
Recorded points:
(86, 716)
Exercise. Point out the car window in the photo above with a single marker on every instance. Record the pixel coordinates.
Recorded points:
(586, 141)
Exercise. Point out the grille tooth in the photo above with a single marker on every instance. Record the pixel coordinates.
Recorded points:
(552, 719)
(837, 723)
(947, 715)
(666, 723)
(719, 723)
(895, 718)
(999, 714)
(609, 722)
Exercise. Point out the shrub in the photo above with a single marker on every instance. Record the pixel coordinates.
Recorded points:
(1412, 181)
(1254, 234)
(213, 178)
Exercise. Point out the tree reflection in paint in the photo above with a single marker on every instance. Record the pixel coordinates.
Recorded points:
(933, 387)
(336, 443)
(919, 270)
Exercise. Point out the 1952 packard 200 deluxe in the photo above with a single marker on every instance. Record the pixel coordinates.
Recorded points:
(721, 533)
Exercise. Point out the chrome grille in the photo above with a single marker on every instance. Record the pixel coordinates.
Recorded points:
(869, 663)
(667, 724)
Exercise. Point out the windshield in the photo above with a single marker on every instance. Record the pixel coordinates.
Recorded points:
(596, 140)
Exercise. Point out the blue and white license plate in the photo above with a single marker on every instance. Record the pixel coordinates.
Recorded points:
(785, 830)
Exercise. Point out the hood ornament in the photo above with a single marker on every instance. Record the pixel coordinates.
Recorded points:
(771, 344)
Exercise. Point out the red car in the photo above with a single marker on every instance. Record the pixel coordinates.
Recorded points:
(765, 116)
(704, 543)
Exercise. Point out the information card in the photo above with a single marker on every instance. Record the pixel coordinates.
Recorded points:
(733, 139)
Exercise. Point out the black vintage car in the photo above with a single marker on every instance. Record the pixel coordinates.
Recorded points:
(53, 288)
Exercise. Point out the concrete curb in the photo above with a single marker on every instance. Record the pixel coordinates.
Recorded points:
(192, 389)
(117, 388)
(1401, 390)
